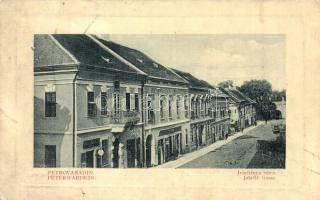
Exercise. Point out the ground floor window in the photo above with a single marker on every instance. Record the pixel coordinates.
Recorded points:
(50, 155)
(186, 136)
(87, 159)
(103, 161)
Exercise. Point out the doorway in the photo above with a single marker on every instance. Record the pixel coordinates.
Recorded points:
(131, 153)
(148, 150)
(115, 153)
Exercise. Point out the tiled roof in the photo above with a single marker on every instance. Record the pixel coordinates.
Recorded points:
(236, 95)
(247, 98)
(88, 52)
(193, 81)
(142, 62)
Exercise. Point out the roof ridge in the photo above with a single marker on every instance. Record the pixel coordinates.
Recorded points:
(116, 55)
(148, 58)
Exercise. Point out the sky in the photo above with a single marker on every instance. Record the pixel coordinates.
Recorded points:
(215, 58)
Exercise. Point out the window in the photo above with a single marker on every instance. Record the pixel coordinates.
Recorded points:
(116, 86)
(136, 102)
(192, 133)
(162, 107)
(116, 101)
(178, 106)
(91, 105)
(103, 103)
(151, 116)
(87, 159)
(186, 136)
(50, 104)
(170, 107)
(50, 155)
(128, 101)
(185, 107)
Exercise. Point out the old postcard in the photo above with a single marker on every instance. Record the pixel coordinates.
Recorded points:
(159, 100)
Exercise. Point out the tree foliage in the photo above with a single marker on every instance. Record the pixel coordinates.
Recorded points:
(261, 92)
(278, 95)
(256, 89)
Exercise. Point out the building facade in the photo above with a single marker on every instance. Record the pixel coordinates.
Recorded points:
(87, 105)
(165, 95)
(242, 109)
(209, 113)
(98, 104)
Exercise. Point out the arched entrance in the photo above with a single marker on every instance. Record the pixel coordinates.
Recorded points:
(148, 150)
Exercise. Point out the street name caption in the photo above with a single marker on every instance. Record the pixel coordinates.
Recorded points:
(254, 175)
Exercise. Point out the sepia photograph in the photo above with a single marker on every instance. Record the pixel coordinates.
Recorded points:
(134, 100)
(159, 101)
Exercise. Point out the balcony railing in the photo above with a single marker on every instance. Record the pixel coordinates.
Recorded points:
(123, 117)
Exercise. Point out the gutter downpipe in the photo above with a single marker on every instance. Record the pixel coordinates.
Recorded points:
(74, 123)
(142, 119)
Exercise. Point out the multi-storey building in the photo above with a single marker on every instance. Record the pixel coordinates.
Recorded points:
(101, 104)
(242, 109)
(87, 103)
(165, 97)
(209, 116)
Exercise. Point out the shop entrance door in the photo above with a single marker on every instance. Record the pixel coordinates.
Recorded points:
(131, 153)
(115, 153)
(148, 151)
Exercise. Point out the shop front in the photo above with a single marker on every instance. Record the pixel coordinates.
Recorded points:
(169, 144)
(107, 149)
(95, 150)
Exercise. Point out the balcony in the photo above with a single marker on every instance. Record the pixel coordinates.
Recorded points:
(125, 117)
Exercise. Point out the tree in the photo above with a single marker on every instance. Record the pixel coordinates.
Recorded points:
(261, 91)
(257, 89)
(225, 84)
(278, 95)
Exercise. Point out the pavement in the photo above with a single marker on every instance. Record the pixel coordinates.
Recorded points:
(239, 152)
(187, 159)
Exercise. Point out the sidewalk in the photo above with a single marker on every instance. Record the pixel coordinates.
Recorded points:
(198, 153)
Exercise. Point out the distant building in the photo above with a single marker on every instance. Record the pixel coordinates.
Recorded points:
(242, 109)
(209, 117)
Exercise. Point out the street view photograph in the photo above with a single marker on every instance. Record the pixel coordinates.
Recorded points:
(159, 101)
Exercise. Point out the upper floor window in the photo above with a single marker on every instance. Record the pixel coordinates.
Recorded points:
(91, 105)
(116, 86)
(150, 107)
(103, 103)
(162, 102)
(178, 106)
(170, 107)
(185, 106)
(50, 104)
(136, 102)
(186, 136)
(116, 101)
(128, 101)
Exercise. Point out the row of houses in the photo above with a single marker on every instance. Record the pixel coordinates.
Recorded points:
(103, 105)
